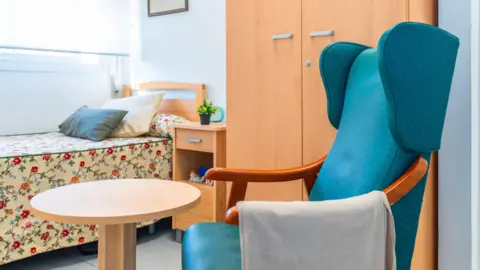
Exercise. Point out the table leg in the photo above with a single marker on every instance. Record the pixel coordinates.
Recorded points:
(117, 247)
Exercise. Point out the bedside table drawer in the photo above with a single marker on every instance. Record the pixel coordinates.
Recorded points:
(196, 140)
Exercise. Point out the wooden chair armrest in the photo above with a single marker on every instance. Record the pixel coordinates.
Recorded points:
(231, 217)
(246, 176)
(394, 192)
(240, 178)
(407, 181)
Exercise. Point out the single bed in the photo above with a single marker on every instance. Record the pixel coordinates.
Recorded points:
(30, 164)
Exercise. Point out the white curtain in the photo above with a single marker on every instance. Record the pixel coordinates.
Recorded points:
(75, 25)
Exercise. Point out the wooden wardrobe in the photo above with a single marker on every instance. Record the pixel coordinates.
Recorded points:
(276, 106)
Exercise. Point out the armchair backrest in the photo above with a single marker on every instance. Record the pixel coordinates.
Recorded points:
(388, 104)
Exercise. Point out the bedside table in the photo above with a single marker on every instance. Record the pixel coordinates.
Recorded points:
(196, 146)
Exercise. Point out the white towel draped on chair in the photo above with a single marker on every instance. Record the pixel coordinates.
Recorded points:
(351, 234)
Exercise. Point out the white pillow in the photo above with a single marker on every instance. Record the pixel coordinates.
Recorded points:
(141, 110)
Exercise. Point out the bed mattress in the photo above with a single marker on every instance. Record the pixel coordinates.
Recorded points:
(30, 164)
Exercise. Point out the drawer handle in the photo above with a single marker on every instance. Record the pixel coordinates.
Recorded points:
(282, 36)
(194, 140)
(321, 33)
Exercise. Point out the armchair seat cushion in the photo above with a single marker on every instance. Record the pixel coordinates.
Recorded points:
(211, 246)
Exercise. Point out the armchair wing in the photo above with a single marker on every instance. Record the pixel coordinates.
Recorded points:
(240, 179)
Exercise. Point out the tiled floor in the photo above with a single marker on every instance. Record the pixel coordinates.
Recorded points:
(154, 252)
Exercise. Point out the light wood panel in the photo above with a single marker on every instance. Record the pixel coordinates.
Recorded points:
(361, 21)
(425, 11)
(117, 247)
(177, 106)
(198, 126)
(182, 107)
(264, 91)
(126, 90)
(220, 161)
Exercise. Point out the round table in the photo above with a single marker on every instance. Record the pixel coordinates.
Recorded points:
(116, 206)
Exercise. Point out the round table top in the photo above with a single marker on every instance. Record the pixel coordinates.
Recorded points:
(115, 201)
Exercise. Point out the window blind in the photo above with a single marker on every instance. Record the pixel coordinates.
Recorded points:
(74, 25)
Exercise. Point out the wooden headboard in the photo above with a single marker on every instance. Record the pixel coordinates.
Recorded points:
(178, 106)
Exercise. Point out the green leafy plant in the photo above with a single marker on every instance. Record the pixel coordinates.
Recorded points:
(206, 108)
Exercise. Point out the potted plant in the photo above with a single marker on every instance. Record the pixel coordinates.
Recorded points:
(205, 111)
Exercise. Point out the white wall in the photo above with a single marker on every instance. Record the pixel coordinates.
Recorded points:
(475, 54)
(185, 47)
(32, 101)
(454, 188)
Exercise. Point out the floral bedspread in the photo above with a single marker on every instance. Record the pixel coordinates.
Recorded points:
(30, 164)
(55, 142)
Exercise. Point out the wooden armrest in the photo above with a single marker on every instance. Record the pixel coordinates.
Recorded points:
(245, 176)
(231, 217)
(394, 192)
(240, 178)
(407, 181)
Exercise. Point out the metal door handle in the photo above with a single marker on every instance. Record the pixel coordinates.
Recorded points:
(321, 33)
(282, 36)
(194, 140)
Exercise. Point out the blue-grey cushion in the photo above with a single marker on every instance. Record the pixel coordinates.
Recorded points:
(92, 124)
(70, 118)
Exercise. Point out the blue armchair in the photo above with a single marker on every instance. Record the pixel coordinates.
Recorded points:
(388, 104)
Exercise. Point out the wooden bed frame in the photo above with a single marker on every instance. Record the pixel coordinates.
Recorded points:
(183, 107)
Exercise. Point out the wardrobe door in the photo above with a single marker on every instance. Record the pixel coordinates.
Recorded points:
(264, 91)
(324, 22)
